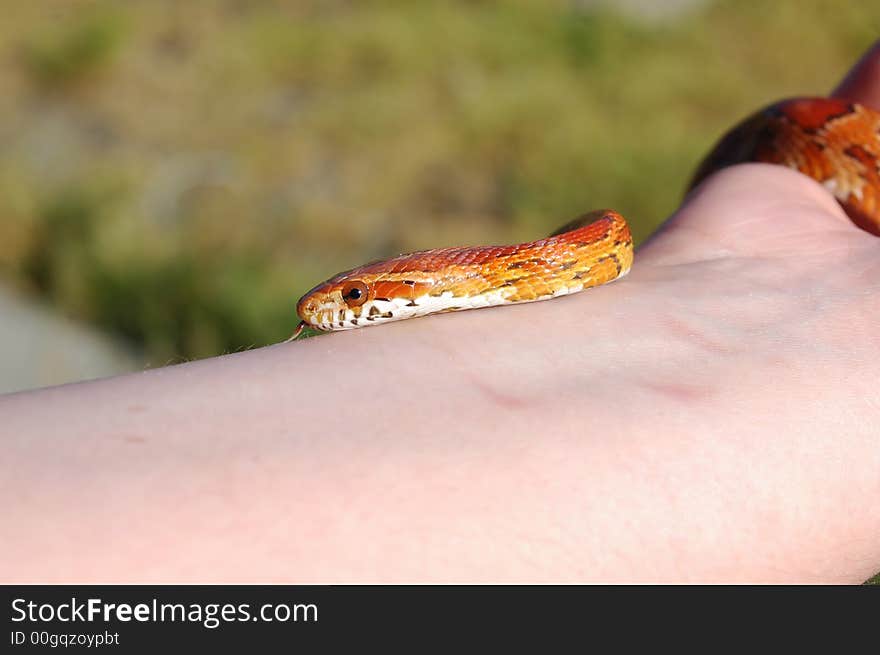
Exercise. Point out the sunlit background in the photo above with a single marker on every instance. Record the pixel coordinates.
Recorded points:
(173, 175)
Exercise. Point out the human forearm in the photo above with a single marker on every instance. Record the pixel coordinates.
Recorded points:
(429, 451)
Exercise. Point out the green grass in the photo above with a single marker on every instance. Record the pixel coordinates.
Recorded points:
(60, 57)
(178, 173)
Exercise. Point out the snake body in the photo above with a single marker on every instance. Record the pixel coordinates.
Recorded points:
(835, 142)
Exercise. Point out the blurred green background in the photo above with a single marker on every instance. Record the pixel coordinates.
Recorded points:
(178, 173)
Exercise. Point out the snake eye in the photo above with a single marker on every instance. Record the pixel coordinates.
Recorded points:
(354, 293)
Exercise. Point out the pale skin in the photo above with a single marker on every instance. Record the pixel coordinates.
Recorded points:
(713, 417)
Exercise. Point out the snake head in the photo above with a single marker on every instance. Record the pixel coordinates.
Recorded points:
(334, 305)
(368, 295)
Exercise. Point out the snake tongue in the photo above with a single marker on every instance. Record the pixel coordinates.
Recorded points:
(296, 333)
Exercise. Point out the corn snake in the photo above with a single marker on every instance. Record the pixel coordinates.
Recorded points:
(835, 142)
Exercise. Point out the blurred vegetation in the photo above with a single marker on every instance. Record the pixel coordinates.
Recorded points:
(180, 172)
(61, 55)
